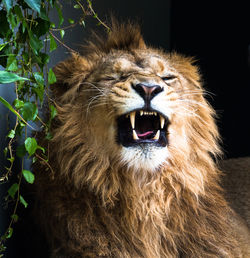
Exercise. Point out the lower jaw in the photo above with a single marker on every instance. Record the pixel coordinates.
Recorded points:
(128, 141)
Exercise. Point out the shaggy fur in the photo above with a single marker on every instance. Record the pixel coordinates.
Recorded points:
(102, 201)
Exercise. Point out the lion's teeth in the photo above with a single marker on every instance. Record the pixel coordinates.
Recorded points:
(135, 137)
(157, 136)
(146, 113)
(162, 121)
(132, 119)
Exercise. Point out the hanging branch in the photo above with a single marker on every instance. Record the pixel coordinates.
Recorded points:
(28, 36)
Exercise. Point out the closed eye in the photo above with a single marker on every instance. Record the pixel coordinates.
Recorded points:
(124, 76)
(168, 77)
(109, 78)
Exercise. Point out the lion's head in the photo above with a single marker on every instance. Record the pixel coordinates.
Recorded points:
(124, 106)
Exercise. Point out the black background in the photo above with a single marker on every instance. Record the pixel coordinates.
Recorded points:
(217, 34)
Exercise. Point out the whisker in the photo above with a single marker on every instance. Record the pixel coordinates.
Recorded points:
(192, 102)
(94, 86)
(92, 99)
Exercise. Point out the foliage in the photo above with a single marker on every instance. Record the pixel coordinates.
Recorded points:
(28, 36)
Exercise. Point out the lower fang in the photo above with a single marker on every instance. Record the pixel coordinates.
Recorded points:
(157, 135)
(162, 119)
(135, 137)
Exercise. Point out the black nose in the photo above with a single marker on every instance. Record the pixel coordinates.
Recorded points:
(147, 92)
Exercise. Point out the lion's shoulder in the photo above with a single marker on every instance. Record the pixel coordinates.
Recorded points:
(236, 181)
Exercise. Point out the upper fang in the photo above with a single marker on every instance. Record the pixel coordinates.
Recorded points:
(132, 119)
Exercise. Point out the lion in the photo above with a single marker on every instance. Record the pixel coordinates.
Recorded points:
(134, 157)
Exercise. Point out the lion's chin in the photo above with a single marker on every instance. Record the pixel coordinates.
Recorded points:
(142, 128)
(144, 157)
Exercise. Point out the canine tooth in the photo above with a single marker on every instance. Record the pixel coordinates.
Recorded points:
(132, 119)
(157, 136)
(155, 113)
(135, 137)
(162, 121)
(141, 112)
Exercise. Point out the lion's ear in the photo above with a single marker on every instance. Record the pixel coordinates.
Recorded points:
(69, 76)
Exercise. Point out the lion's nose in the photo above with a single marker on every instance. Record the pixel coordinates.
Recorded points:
(147, 92)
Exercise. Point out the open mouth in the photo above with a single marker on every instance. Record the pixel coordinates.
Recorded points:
(142, 126)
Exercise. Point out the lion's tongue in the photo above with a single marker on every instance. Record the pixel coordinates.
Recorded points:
(144, 135)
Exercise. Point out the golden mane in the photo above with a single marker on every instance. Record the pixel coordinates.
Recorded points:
(98, 204)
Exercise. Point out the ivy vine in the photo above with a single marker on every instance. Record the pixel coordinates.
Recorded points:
(27, 36)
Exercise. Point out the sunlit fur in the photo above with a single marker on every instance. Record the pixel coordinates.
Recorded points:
(102, 199)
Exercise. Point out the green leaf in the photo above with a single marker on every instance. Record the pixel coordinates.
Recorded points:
(39, 78)
(77, 6)
(35, 43)
(48, 136)
(30, 145)
(7, 104)
(29, 111)
(71, 21)
(52, 2)
(39, 87)
(18, 12)
(12, 20)
(25, 204)
(62, 32)
(39, 91)
(34, 4)
(3, 46)
(41, 148)
(53, 44)
(5, 151)
(20, 151)
(14, 217)
(12, 64)
(9, 232)
(59, 11)
(11, 160)
(83, 23)
(41, 28)
(8, 4)
(43, 14)
(18, 103)
(51, 77)
(11, 134)
(53, 112)
(7, 77)
(5, 30)
(29, 176)
(12, 190)
(44, 58)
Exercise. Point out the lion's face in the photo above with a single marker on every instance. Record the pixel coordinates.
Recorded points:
(136, 97)
(126, 104)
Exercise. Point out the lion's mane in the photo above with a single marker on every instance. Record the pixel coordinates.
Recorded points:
(93, 204)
